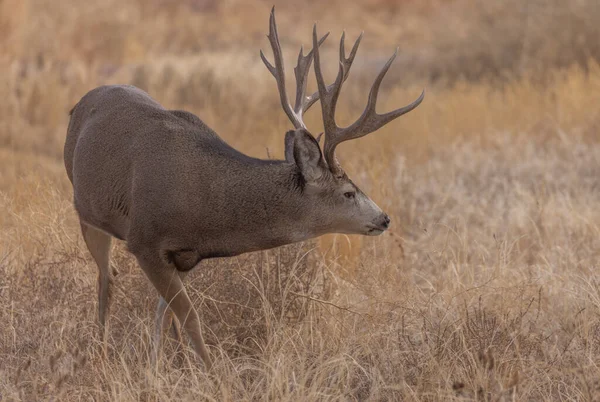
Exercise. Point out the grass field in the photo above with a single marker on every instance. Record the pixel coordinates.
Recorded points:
(486, 287)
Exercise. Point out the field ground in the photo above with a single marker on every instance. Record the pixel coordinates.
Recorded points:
(487, 286)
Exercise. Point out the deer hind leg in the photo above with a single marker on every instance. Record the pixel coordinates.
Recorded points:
(98, 243)
(169, 285)
(164, 321)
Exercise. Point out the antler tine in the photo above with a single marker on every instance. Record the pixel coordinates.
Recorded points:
(303, 102)
(370, 120)
(278, 71)
(322, 89)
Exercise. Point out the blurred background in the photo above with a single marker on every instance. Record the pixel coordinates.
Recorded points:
(487, 282)
(202, 55)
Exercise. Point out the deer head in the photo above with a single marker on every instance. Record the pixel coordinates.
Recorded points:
(343, 207)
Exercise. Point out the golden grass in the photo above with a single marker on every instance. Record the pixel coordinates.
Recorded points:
(486, 287)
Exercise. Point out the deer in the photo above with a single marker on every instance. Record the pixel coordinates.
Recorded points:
(165, 183)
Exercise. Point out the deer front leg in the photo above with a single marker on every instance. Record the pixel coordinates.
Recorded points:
(169, 285)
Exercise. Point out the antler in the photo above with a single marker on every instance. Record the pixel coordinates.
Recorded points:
(368, 122)
(303, 102)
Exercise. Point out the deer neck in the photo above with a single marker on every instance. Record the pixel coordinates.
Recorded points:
(274, 210)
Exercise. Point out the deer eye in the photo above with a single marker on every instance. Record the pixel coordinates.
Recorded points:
(350, 195)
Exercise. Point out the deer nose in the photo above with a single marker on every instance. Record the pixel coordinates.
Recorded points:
(385, 221)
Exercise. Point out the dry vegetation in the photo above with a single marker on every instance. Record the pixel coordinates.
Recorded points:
(486, 288)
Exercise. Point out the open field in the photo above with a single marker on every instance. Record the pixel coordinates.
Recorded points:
(487, 286)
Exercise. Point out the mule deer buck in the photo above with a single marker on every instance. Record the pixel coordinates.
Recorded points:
(164, 182)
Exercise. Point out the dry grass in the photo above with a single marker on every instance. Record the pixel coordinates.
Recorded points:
(486, 288)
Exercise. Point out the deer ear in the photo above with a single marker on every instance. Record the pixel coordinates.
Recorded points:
(302, 149)
(289, 146)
